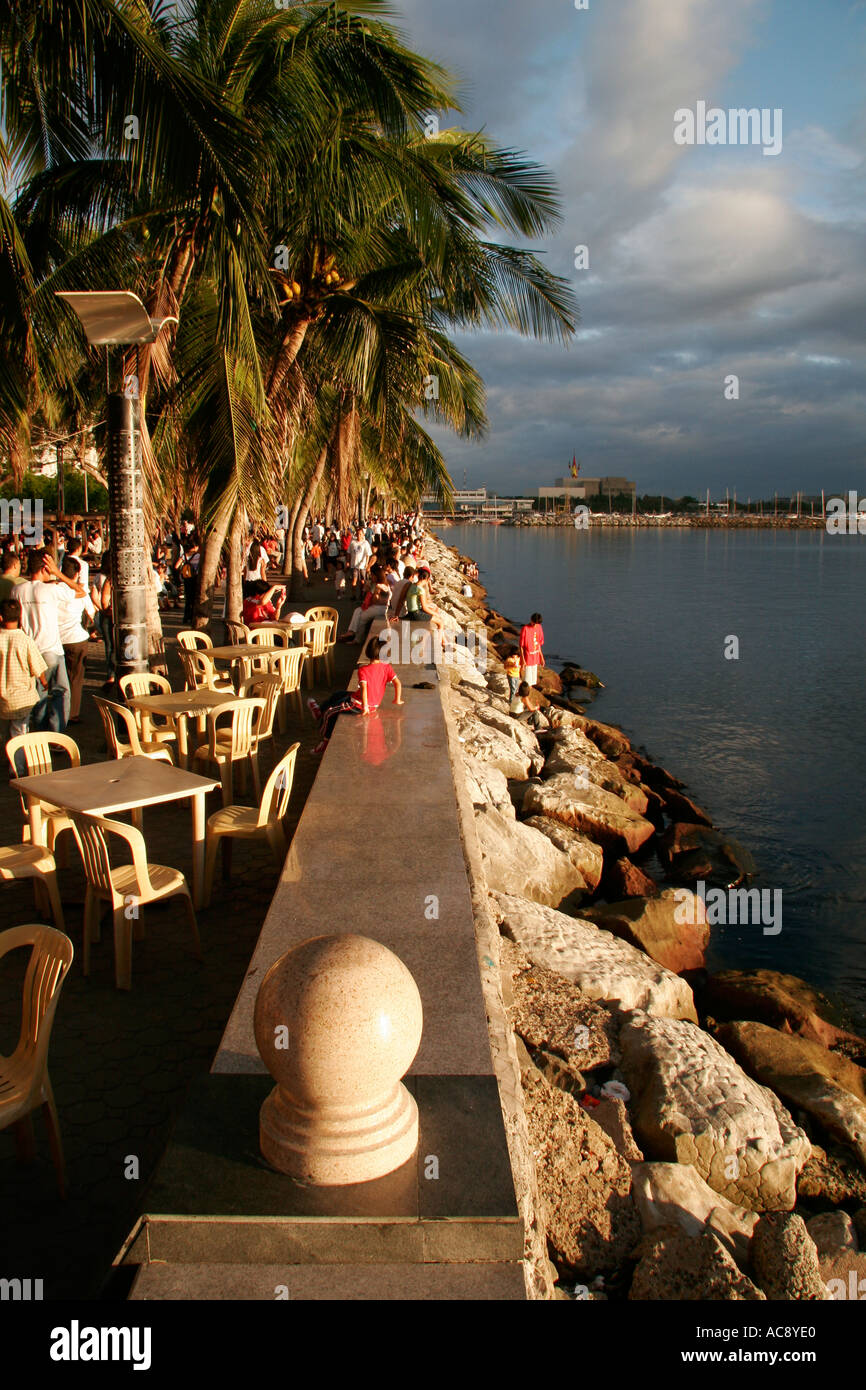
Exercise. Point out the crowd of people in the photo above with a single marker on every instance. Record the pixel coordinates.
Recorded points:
(55, 600)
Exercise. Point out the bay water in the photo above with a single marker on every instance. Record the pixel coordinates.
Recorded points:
(770, 742)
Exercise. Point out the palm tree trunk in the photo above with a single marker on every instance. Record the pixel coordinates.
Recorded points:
(234, 568)
(210, 559)
(289, 349)
(301, 517)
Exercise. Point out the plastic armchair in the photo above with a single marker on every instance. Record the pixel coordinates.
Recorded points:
(38, 750)
(264, 821)
(317, 638)
(36, 862)
(290, 665)
(330, 615)
(315, 614)
(233, 731)
(268, 686)
(193, 640)
(153, 728)
(137, 884)
(25, 1085)
(236, 633)
(201, 673)
(122, 736)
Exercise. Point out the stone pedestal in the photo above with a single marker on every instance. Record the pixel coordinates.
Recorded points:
(338, 1023)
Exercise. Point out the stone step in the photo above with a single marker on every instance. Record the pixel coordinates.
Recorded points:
(346, 1283)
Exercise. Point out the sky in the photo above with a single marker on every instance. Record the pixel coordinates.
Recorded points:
(706, 261)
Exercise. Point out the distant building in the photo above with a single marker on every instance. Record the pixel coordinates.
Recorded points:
(578, 489)
(466, 500)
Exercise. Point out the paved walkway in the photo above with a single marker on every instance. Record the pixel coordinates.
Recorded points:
(121, 1063)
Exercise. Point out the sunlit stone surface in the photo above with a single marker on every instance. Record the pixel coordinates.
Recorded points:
(338, 1022)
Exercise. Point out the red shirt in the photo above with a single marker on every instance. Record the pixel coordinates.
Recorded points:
(257, 612)
(531, 642)
(376, 677)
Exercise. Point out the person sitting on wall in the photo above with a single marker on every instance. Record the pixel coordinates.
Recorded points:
(373, 680)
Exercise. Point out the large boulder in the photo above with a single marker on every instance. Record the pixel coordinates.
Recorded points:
(675, 1194)
(597, 813)
(487, 786)
(576, 755)
(694, 853)
(694, 1104)
(612, 741)
(681, 808)
(553, 1016)
(586, 856)
(827, 1086)
(782, 1001)
(832, 1175)
(675, 1267)
(518, 859)
(623, 879)
(654, 925)
(490, 746)
(584, 1184)
(602, 966)
(833, 1233)
(785, 1260)
(512, 728)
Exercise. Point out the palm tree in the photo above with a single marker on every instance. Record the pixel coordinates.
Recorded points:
(282, 198)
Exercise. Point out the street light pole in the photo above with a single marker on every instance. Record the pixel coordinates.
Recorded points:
(128, 535)
(118, 318)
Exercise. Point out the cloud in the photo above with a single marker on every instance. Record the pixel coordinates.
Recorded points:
(703, 262)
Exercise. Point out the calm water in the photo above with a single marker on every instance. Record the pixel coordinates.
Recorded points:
(772, 745)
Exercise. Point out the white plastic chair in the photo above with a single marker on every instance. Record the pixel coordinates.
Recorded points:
(118, 721)
(264, 821)
(126, 885)
(36, 862)
(38, 751)
(154, 728)
(24, 1082)
(233, 732)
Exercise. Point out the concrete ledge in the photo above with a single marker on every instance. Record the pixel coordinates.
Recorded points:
(214, 1200)
(378, 851)
(343, 1282)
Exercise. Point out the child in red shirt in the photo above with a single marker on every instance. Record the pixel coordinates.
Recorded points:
(373, 680)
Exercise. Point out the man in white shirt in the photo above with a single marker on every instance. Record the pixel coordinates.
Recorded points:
(360, 555)
(74, 551)
(39, 597)
(71, 612)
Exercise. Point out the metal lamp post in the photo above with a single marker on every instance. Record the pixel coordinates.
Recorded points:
(117, 318)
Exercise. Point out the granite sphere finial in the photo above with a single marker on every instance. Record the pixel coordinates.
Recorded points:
(338, 1022)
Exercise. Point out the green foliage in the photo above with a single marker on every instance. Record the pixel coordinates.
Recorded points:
(283, 200)
(37, 485)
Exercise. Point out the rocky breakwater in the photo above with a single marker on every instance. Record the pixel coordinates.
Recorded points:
(691, 1136)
